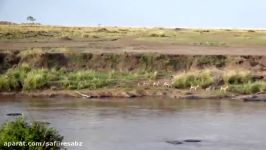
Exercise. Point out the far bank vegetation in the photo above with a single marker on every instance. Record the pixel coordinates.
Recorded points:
(25, 78)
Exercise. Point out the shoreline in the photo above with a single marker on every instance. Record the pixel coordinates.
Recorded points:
(135, 93)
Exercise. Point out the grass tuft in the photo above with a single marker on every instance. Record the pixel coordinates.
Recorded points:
(185, 80)
(36, 79)
(248, 88)
(237, 77)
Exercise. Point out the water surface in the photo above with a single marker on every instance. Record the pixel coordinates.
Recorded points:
(146, 123)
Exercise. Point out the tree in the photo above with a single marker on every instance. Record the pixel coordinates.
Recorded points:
(31, 19)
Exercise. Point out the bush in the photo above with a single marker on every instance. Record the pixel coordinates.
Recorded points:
(203, 79)
(8, 83)
(35, 79)
(19, 73)
(4, 83)
(21, 131)
(248, 88)
(234, 77)
(13, 78)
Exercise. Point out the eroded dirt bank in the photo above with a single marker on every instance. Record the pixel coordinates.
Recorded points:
(128, 61)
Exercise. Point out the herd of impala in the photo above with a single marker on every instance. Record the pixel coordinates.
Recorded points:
(169, 84)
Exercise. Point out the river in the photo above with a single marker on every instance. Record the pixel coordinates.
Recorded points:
(147, 123)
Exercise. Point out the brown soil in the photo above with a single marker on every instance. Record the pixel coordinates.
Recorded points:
(132, 45)
(131, 61)
(120, 93)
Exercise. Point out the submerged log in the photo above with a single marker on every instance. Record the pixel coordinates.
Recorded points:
(174, 142)
(255, 98)
(192, 140)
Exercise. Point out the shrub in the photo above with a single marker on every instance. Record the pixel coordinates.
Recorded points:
(13, 78)
(21, 131)
(234, 77)
(4, 83)
(203, 79)
(8, 83)
(248, 88)
(157, 35)
(19, 73)
(35, 79)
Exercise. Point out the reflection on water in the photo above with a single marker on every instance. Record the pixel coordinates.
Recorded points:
(146, 123)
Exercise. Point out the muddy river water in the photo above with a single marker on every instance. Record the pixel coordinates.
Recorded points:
(147, 123)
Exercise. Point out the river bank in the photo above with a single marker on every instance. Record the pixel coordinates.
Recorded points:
(42, 74)
(137, 93)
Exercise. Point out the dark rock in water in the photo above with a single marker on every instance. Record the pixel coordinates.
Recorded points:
(14, 114)
(174, 142)
(192, 140)
(258, 97)
(188, 93)
(254, 98)
(191, 97)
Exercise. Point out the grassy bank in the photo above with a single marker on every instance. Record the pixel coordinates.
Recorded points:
(26, 78)
(243, 82)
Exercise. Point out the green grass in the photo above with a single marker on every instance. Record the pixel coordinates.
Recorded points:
(87, 79)
(13, 78)
(35, 79)
(24, 78)
(22, 131)
(248, 88)
(90, 79)
(7, 83)
(27, 79)
(185, 80)
(238, 81)
(237, 77)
